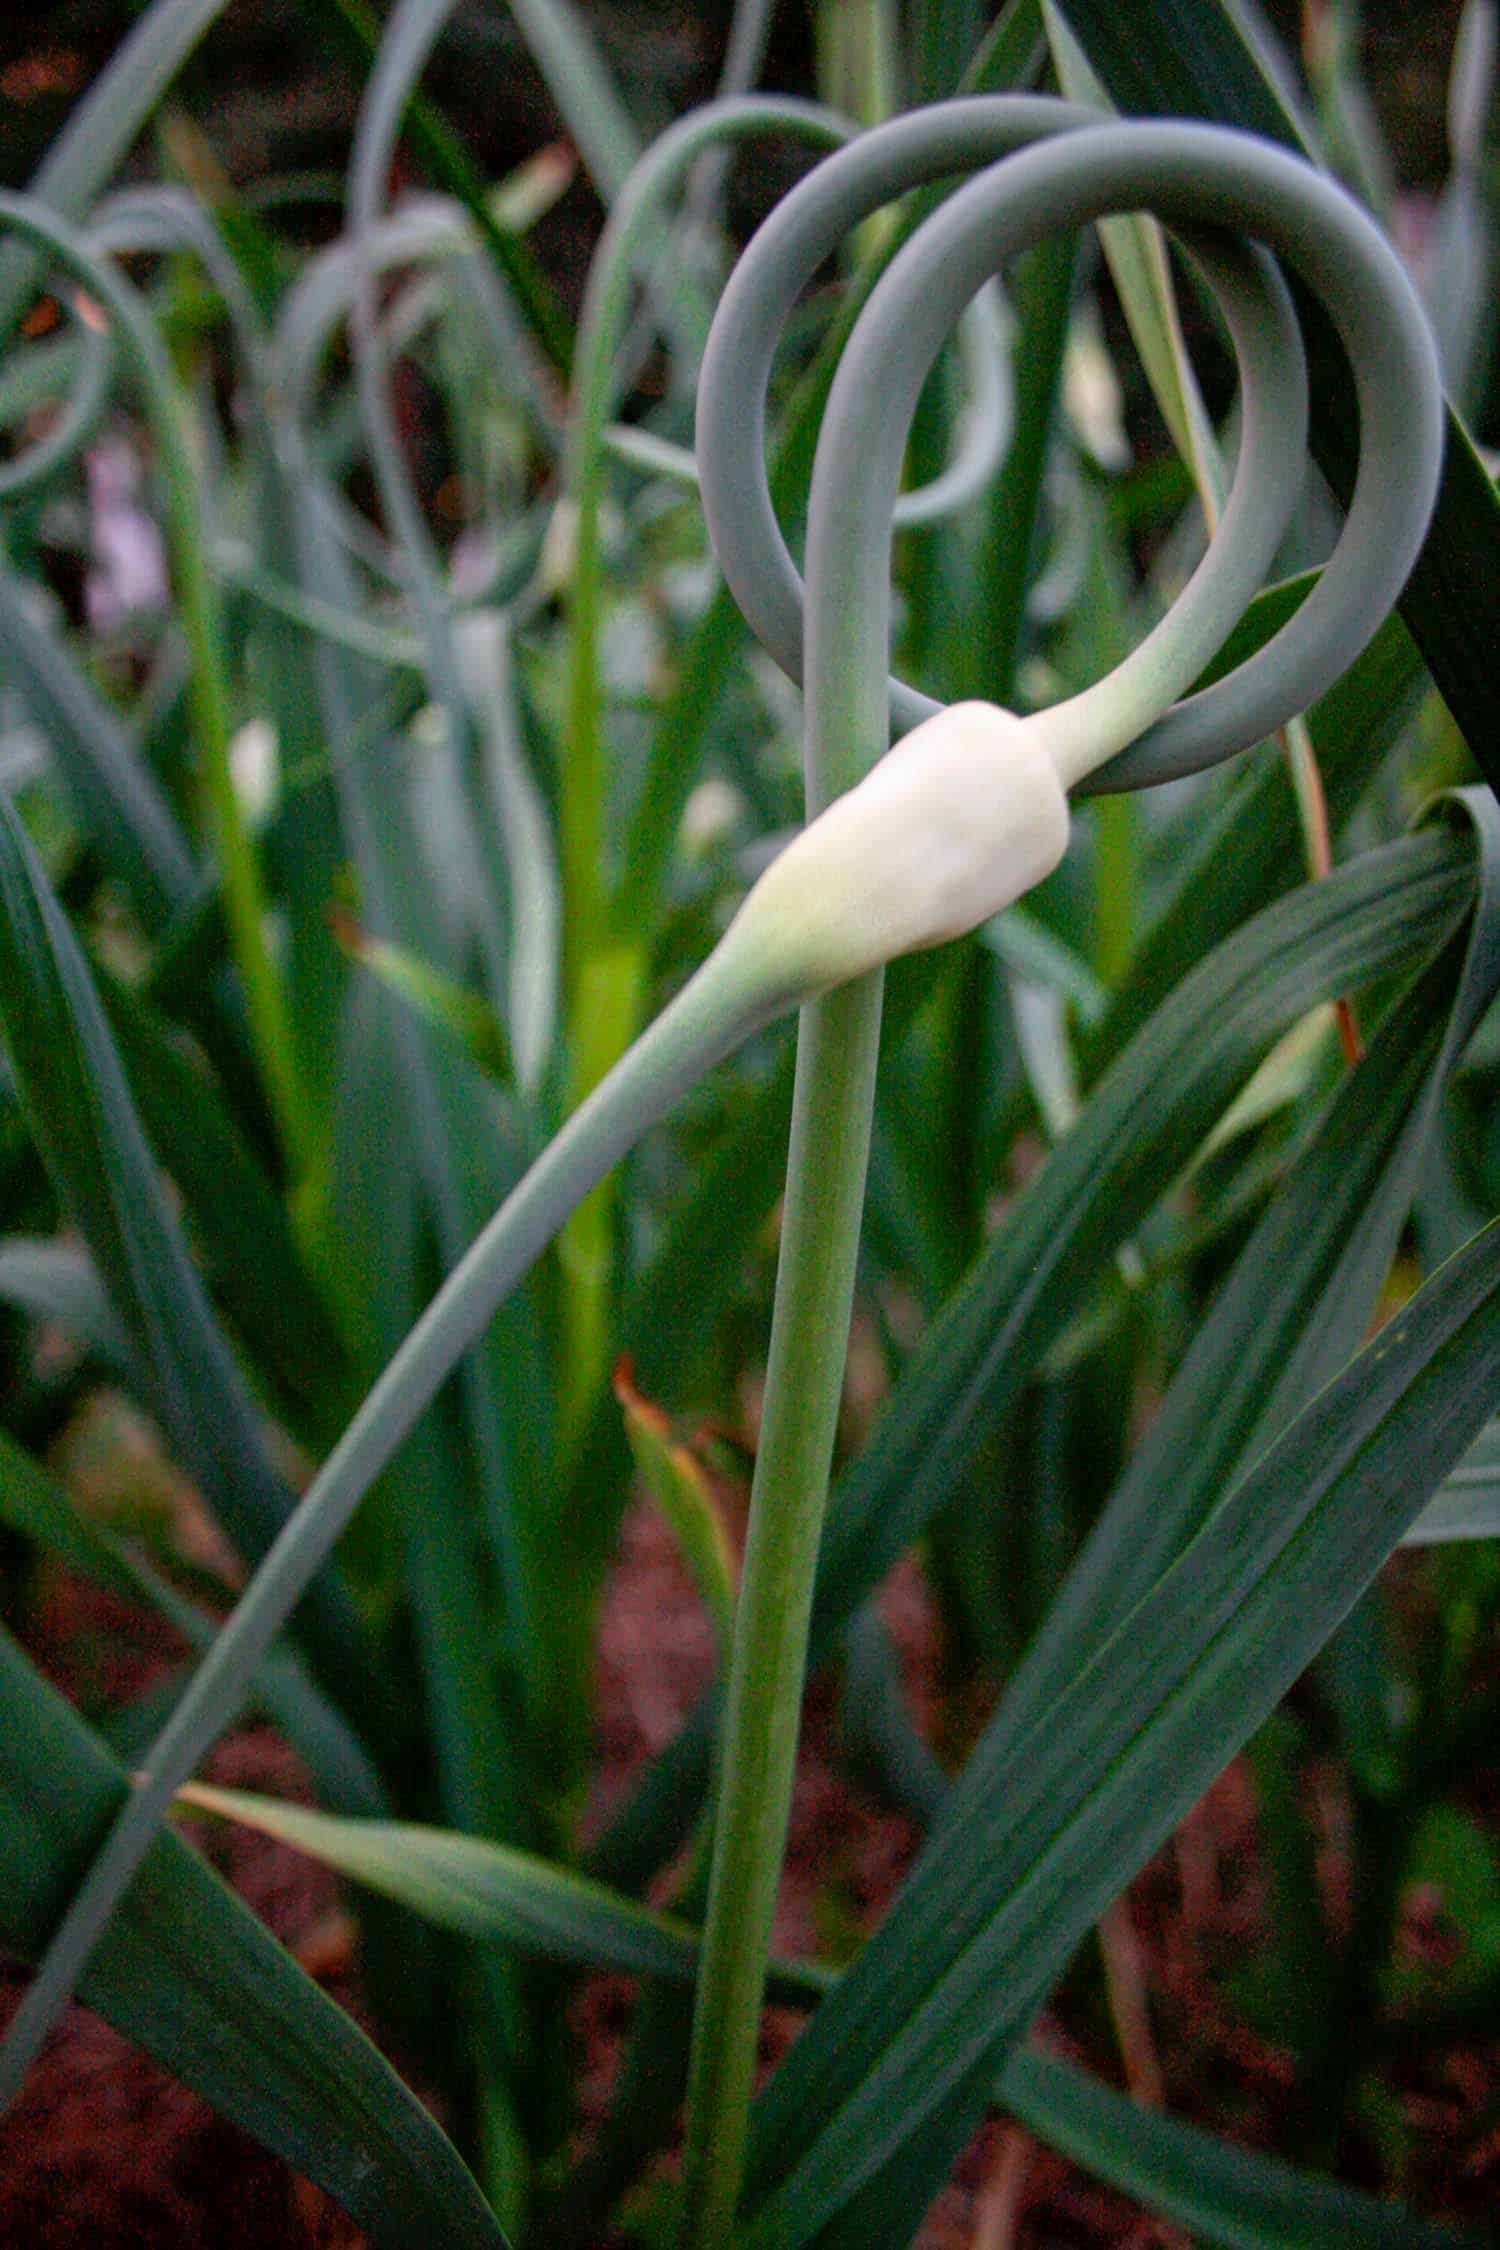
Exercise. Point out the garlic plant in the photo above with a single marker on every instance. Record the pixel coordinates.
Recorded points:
(923, 823)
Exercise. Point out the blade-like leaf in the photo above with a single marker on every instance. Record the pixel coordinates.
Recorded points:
(1229, 2196)
(1300, 1298)
(1146, 1118)
(873, 2101)
(479, 1889)
(189, 1973)
(78, 1103)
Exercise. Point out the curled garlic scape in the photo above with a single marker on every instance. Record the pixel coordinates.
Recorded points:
(1243, 209)
(968, 810)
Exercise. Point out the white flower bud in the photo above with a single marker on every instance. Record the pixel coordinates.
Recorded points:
(961, 818)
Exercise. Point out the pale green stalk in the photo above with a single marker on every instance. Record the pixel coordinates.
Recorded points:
(838, 1043)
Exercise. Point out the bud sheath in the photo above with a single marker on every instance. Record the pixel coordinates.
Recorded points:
(960, 819)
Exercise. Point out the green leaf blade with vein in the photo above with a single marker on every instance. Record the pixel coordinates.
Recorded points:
(479, 1889)
(914, 2028)
(1295, 1307)
(1140, 1129)
(1232, 2197)
(74, 1090)
(187, 1972)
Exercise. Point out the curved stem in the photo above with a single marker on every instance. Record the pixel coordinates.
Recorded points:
(706, 1021)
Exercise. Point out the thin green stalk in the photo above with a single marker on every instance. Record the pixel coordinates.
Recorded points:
(838, 1042)
(451, 165)
(197, 596)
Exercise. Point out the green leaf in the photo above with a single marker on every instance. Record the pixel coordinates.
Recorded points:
(76, 1099)
(1142, 1125)
(187, 1972)
(1229, 2196)
(424, 1162)
(1136, 251)
(874, 2099)
(479, 1889)
(1295, 1307)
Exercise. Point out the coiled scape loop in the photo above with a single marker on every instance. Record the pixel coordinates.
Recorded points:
(1240, 207)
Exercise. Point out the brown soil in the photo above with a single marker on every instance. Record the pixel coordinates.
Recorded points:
(106, 2150)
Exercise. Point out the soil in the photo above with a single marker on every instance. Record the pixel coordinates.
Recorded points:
(107, 2152)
